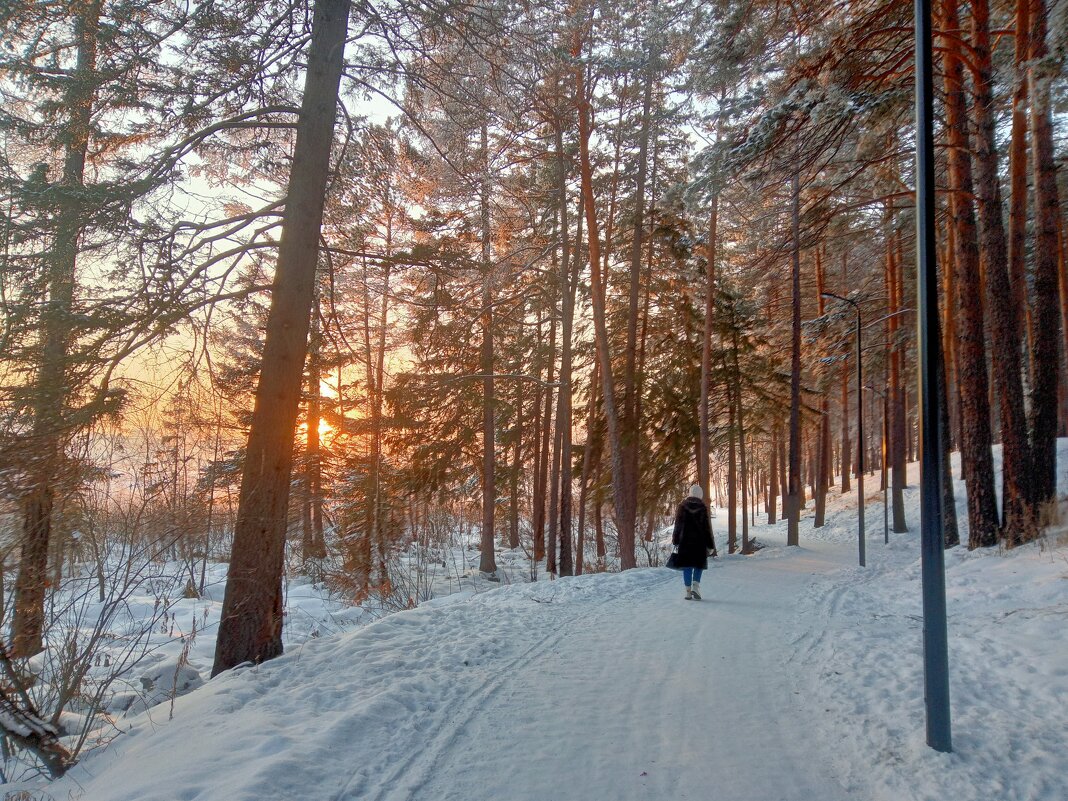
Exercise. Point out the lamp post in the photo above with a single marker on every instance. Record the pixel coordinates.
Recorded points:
(860, 425)
(932, 541)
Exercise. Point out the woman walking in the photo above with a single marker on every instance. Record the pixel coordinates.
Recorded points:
(694, 541)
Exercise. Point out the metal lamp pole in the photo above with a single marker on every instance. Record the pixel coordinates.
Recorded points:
(860, 425)
(932, 540)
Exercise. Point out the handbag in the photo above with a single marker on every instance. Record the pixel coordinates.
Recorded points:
(673, 558)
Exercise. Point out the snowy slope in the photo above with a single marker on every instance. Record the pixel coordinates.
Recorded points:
(799, 677)
(1007, 613)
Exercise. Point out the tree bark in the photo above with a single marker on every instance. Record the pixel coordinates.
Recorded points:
(568, 288)
(51, 381)
(624, 507)
(705, 449)
(1018, 173)
(732, 470)
(1045, 295)
(487, 562)
(846, 461)
(552, 536)
(974, 409)
(746, 548)
(630, 428)
(950, 529)
(782, 479)
(949, 329)
(584, 482)
(313, 544)
(537, 505)
(773, 477)
(898, 433)
(250, 627)
(823, 458)
(546, 450)
(793, 497)
(517, 468)
(1017, 511)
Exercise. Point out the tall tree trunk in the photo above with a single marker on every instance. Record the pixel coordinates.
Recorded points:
(773, 477)
(732, 470)
(782, 477)
(598, 508)
(624, 507)
(974, 409)
(793, 497)
(362, 557)
(517, 468)
(487, 562)
(823, 448)
(1062, 276)
(568, 288)
(51, 380)
(587, 458)
(313, 546)
(378, 388)
(1017, 511)
(1018, 172)
(898, 433)
(950, 530)
(810, 464)
(884, 482)
(250, 627)
(949, 330)
(704, 449)
(597, 379)
(542, 423)
(847, 464)
(552, 537)
(744, 468)
(546, 450)
(537, 491)
(1045, 295)
(630, 428)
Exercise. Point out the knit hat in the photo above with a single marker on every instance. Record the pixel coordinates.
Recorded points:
(695, 491)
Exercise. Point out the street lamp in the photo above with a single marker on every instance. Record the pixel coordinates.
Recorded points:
(860, 425)
(932, 540)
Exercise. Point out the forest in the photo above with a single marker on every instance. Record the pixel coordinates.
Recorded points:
(323, 288)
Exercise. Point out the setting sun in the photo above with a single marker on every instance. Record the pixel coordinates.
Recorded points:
(325, 429)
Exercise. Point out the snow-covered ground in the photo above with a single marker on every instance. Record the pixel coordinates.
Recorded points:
(1007, 614)
(798, 677)
(150, 641)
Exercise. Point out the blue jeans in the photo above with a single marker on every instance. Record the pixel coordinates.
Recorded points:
(693, 573)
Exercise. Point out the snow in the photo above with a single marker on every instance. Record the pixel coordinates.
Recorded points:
(1006, 615)
(150, 642)
(798, 677)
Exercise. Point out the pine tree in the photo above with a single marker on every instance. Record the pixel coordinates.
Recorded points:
(250, 627)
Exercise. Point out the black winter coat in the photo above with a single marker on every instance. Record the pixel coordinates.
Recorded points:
(693, 534)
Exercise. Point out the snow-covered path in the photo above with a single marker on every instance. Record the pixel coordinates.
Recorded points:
(647, 696)
(598, 687)
(799, 677)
